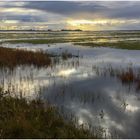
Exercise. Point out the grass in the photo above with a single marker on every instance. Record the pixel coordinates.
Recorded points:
(130, 45)
(13, 57)
(127, 76)
(83, 38)
(66, 55)
(37, 41)
(20, 118)
(46, 41)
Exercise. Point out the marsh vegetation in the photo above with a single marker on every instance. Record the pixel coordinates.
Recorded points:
(13, 57)
(21, 118)
(81, 85)
(118, 39)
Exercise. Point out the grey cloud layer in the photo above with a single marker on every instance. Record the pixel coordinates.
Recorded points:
(107, 9)
(57, 11)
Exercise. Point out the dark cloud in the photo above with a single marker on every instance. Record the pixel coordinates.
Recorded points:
(127, 9)
(65, 8)
(102, 9)
(23, 18)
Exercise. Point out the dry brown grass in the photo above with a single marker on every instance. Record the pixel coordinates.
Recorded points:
(12, 57)
(127, 77)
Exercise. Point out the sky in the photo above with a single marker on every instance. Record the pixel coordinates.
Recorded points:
(56, 15)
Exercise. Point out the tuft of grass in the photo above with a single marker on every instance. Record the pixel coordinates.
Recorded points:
(13, 57)
(20, 118)
(127, 77)
(66, 55)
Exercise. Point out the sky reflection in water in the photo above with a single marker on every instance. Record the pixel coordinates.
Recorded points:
(75, 86)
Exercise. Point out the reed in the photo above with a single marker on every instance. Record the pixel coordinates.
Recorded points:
(13, 57)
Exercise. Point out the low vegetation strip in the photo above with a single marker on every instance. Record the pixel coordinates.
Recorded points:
(20, 118)
(45, 41)
(130, 45)
(37, 41)
(13, 57)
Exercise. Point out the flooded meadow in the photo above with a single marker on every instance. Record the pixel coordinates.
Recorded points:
(89, 78)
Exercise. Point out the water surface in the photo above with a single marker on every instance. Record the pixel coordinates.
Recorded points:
(79, 86)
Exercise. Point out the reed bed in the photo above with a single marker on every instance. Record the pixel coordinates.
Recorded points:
(13, 57)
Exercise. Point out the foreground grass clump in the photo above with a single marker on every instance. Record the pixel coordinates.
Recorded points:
(34, 119)
(12, 57)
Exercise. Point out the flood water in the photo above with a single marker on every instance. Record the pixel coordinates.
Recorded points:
(78, 86)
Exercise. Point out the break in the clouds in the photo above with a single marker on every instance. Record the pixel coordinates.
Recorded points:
(100, 15)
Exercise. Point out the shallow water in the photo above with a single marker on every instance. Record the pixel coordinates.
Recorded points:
(84, 36)
(79, 87)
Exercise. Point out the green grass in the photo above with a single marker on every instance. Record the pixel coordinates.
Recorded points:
(20, 118)
(130, 45)
(36, 41)
(46, 41)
